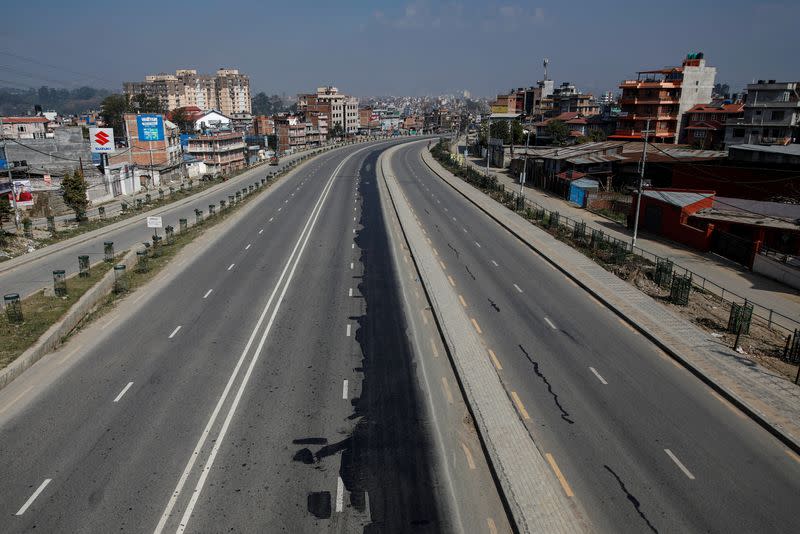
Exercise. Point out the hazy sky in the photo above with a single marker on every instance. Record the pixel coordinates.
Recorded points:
(413, 47)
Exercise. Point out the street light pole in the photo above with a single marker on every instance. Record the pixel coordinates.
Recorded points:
(524, 176)
(646, 133)
(488, 138)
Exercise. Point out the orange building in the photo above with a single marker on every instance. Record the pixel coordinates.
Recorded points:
(663, 96)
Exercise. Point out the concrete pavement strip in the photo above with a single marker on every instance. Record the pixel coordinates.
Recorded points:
(536, 500)
(770, 400)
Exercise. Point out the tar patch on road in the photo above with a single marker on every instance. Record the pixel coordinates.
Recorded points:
(319, 504)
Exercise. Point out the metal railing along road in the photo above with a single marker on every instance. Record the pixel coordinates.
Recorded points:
(769, 317)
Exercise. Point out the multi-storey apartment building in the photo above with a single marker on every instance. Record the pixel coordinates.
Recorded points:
(227, 91)
(771, 115)
(567, 99)
(706, 124)
(663, 96)
(340, 109)
(222, 152)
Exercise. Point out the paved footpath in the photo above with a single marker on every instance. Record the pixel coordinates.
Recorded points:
(768, 398)
(764, 291)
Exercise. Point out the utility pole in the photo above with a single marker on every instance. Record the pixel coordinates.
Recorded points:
(646, 133)
(524, 176)
(10, 179)
(488, 138)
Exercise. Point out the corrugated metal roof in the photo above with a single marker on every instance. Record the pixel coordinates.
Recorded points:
(586, 183)
(793, 149)
(677, 198)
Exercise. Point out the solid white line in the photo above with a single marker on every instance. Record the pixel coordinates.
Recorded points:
(600, 378)
(124, 390)
(495, 263)
(350, 293)
(261, 231)
(354, 230)
(290, 267)
(207, 293)
(351, 265)
(518, 288)
(174, 332)
(231, 266)
(679, 464)
(248, 246)
(352, 245)
(478, 244)
(550, 323)
(36, 494)
(344, 389)
(348, 330)
(339, 494)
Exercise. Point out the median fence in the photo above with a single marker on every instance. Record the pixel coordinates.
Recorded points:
(618, 255)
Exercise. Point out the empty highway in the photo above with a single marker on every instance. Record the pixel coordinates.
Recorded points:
(640, 442)
(269, 384)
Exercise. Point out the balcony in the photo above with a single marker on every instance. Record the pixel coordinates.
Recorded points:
(649, 100)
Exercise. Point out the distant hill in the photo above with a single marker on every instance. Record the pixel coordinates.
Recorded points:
(65, 101)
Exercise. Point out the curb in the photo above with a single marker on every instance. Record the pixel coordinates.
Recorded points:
(11, 264)
(787, 439)
(53, 336)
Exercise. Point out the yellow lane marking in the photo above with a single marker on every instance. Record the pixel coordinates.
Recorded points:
(495, 361)
(66, 357)
(559, 475)
(15, 399)
(424, 316)
(405, 258)
(492, 526)
(436, 252)
(463, 302)
(728, 405)
(792, 455)
(446, 388)
(468, 454)
(435, 350)
(477, 326)
(450, 279)
(444, 268)
(521, 407)
(626, 324)
(429, 240)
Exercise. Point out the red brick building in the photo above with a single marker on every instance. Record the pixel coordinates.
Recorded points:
(705, 124)
(666, 212)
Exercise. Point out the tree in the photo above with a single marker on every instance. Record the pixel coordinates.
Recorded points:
(594, 136)
(500, 130)
(517, 133)
(112, 109)
(182, 120)
(558, 131)
(73, 188)
(337, 130)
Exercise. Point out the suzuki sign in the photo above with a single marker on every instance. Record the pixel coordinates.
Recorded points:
(102, 139)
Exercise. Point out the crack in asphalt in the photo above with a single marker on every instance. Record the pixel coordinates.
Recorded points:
(492, 303)
(564, 413)
(454, 250)
(636, 504)
(470, 272)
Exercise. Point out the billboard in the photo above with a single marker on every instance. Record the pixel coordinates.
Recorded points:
(101, 139)
(150, 127)
(22, 192)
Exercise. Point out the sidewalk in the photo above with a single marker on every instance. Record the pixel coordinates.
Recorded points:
(758, 289)
(766, 397)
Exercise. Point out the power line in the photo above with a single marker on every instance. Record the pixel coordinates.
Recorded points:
(31, 60)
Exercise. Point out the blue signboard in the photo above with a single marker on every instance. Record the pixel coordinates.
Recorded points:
(150, 127)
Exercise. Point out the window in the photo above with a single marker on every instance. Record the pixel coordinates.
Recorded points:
(20, 128)
(699, 134)
(776, 116)
(758, 112)
(738, 132)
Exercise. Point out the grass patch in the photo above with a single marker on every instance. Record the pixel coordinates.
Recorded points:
(40, 311)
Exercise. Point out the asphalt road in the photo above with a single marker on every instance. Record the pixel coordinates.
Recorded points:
(642, 444)
(271, 386)
(30, 276)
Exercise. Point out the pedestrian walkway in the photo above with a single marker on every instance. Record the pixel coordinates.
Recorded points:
(765, 292)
